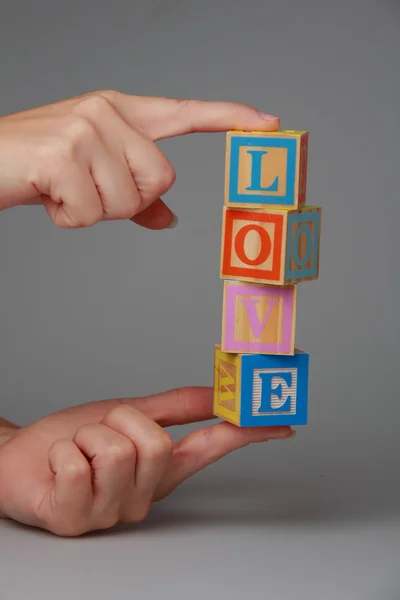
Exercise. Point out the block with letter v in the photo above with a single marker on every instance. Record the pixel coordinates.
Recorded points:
(258, 319)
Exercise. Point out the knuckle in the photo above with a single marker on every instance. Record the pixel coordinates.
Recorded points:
(183, 112)
(142, 513)
(237, 106)
(121, 451)
(131, 206)
(182, 401)
(78, 132)
(137, 514)
(86, 218)
(159, 446)
(119, 412)
(76, 470)
(93, 105)
(122, 411)
(169, 174)
(164, 178)
(183, 105)
(108, 94)
(62, 528)
(107, 520)
(83, 432)
(66, 147)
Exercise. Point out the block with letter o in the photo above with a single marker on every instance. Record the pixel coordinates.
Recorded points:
(276, 247)
(302, 250)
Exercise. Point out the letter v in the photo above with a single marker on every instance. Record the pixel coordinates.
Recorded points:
(257, 327)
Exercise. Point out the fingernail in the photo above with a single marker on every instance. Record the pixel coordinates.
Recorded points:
(287, 436)
(268, 117)
(284, 435)
(174, 221)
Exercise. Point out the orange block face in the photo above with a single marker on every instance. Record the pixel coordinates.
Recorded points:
(276, 247)
(252, 245)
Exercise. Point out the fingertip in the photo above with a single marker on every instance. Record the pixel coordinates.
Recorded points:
(250, 119)
(264, 434)
(174, 221)
(268, 117)
(282, 433)
(268, 122)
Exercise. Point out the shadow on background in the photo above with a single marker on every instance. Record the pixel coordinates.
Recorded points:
(245, 502)
(337, 499)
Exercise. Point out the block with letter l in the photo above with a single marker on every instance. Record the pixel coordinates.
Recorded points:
(252, 390)
(266, 169)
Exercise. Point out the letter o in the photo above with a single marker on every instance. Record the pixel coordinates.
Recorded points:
(266, 245)
(303, 229)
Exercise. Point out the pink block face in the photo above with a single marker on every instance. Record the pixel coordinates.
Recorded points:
(258, 319)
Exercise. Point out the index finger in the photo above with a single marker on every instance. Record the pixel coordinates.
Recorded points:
(176, 407)
(169, 117)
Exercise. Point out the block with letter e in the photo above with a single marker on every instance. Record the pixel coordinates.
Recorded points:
(266, 169)
(274, 246)
(252, 390)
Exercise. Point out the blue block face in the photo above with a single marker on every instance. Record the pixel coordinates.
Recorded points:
(274, 390)
(262, 171)
(302, 246)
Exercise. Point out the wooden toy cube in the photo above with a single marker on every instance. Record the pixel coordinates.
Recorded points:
(252, 390)
(265, 169)
(258, 319)
(273, 246)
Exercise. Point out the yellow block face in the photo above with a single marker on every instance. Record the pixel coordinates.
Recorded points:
(226, 386)
(280, 133)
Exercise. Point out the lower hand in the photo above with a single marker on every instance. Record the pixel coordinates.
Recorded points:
(92, 466)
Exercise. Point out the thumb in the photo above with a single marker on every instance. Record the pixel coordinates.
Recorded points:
(168, 117)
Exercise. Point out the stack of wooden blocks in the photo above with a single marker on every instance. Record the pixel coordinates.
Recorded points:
(270, 243)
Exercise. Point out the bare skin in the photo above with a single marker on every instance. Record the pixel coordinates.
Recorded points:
(89, 159)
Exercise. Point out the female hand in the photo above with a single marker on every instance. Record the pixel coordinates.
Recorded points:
(95, 157)
(92, 466)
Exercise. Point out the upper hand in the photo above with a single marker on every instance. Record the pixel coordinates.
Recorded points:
(95, 157)
(92, 466)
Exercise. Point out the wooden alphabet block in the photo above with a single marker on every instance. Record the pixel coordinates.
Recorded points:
(276, 247)
(252, 390)
(258, 319)
(266, 169)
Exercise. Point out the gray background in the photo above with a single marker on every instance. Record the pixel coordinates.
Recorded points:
(117, 310)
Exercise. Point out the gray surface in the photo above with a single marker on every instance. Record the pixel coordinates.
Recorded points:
(316, 517)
